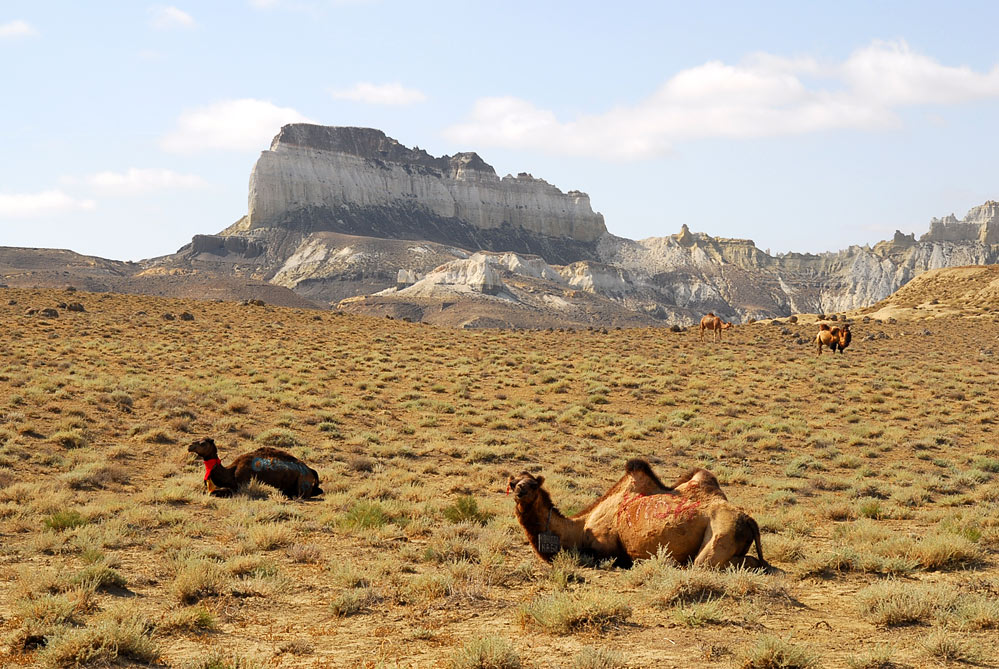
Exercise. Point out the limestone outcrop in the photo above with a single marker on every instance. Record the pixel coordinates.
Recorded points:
(475, 274)
(737, 280)
(980, 225)
(337, 213)
(360, 181)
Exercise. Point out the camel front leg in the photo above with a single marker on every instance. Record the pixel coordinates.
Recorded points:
(721, 550)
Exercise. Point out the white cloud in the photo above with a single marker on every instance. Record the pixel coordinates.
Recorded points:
(765, 95)
(892, 74)
(380, 94)
(15, 29)
(168, 18)
(307, 5)
(234, 125)
(144, 180)
(28, 205)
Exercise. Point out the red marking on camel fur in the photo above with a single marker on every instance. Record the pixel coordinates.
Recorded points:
(654, 509)
(624, 507)
(210, 465)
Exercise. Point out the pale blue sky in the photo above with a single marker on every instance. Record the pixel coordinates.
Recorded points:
(129, 126)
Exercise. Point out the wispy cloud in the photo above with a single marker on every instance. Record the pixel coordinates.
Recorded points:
(307, 5)
(170, 18)
(15, 29)
(136, 180)
(765, 95)
(30, 205)
(380, 94)
(235, 125)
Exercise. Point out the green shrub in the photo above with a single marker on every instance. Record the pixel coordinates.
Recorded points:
(64, 520)
(279, 438)
(365, 515)
(466, 509)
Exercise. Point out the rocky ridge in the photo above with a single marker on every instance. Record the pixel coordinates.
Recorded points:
(350, 217)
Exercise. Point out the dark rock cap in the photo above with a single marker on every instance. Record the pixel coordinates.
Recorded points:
(374, 144)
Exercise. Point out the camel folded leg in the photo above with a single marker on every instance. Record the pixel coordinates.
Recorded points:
(725, 549)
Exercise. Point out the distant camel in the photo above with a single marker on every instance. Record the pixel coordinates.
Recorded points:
(834, 338)
(268, 465)
(714, 323)
(638, 517)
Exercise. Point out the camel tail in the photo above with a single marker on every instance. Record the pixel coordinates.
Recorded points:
(759, 544)
(746, 525)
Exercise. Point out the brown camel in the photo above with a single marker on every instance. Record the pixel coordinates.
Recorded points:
(834, 338)
(638, 516)
(268, 465)
(715, 324)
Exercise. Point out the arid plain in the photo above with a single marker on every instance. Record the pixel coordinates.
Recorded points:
(874, 476)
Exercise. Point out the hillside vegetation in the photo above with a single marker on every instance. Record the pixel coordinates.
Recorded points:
(947, 291)
(873, 475)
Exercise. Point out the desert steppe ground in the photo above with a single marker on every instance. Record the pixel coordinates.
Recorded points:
(873, 475)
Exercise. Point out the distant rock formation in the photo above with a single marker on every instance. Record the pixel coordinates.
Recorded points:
(980, 225)
(350, 217)
(360, 181)
(738, 281)
(497, 290)
(475, 274)
(222, 246)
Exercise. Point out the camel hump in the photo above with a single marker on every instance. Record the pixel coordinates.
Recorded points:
(638, 467)
(703, 477)
(271, 452)
(638, 464)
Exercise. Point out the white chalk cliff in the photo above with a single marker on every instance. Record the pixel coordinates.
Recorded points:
(336, 212)
(359, 181)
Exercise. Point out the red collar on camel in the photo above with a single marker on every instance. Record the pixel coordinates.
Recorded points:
(210, 465)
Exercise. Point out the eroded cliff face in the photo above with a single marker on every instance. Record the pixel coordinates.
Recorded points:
(359, 181)
(336, 213)
(735, 279)
(981, 224)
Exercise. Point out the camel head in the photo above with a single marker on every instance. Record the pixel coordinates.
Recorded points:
(526, 488)
(725, 326)
(204, 448)
(844, 336)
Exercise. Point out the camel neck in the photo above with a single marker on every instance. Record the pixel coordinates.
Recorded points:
(210, 465)
(544, 517)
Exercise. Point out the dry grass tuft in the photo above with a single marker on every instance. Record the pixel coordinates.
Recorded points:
(414, 429)
(772, 652)
(485, 653)
(565, 613)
